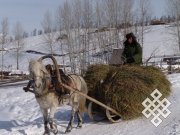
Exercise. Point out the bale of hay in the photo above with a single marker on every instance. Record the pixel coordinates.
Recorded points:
(125, 87)
(94, 75)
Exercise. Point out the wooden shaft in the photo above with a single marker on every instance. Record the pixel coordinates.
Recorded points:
(91, 99)
(55, 64)
(29, 90)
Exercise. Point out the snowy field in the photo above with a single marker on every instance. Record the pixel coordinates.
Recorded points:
(20, 115)
(158, 40)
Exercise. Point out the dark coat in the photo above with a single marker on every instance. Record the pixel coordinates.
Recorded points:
(132, 53)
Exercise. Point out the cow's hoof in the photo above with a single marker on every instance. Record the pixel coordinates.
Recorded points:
(79, 126)
(68, 129)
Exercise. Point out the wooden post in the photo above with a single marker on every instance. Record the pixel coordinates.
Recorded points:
(91, 99)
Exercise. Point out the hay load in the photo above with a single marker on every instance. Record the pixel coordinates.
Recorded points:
(125, 87)
(94, 75)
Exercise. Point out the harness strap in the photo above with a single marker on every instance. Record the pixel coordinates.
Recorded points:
(74, 87)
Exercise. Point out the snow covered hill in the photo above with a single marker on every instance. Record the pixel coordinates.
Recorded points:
(158, 38)
(20, 115)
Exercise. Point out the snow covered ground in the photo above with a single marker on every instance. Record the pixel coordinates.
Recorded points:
(20, 115)
(159, 39)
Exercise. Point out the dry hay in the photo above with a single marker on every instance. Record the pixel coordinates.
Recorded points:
(125, 87)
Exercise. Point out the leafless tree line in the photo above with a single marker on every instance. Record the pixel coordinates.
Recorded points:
(5, 39)
(4, 31)
(173, 8)
(91, 26)
(83, 28)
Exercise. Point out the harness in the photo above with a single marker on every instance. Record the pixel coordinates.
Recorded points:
(46, 90)
(50, 85)
(65, 94)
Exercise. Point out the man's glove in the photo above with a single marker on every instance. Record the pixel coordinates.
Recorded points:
(130, 60)
(26, 89)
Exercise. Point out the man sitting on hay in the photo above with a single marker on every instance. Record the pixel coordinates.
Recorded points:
(132, 53)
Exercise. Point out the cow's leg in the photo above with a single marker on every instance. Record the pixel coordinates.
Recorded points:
(73, 112)
(52, 124)
(46, 121)
(80, 120)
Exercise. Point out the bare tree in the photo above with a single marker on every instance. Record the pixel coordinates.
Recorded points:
(174, 10)
(119, 17)
(49, 27)
(77, 18)
(18, 42)
(66, 16)
(110, 6)
(87, 20)
(4, 32)
(113, 10)
(99, 14)
(110, 12)
(60, 36)
(99, 21)
(144, 13)
(127, 6)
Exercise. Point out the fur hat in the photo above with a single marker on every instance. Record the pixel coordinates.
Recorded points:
(129, 35)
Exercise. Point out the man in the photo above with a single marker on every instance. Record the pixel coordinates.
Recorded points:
(132, 53)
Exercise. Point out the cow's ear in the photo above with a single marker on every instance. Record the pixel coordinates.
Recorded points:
(44, 70)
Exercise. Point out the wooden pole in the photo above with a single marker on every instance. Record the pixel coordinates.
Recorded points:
(91, 99)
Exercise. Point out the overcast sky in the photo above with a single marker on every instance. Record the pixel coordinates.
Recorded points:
(159, 7)
(30, 12)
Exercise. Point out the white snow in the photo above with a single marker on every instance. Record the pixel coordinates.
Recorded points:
(20, 115)
(159, 38)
